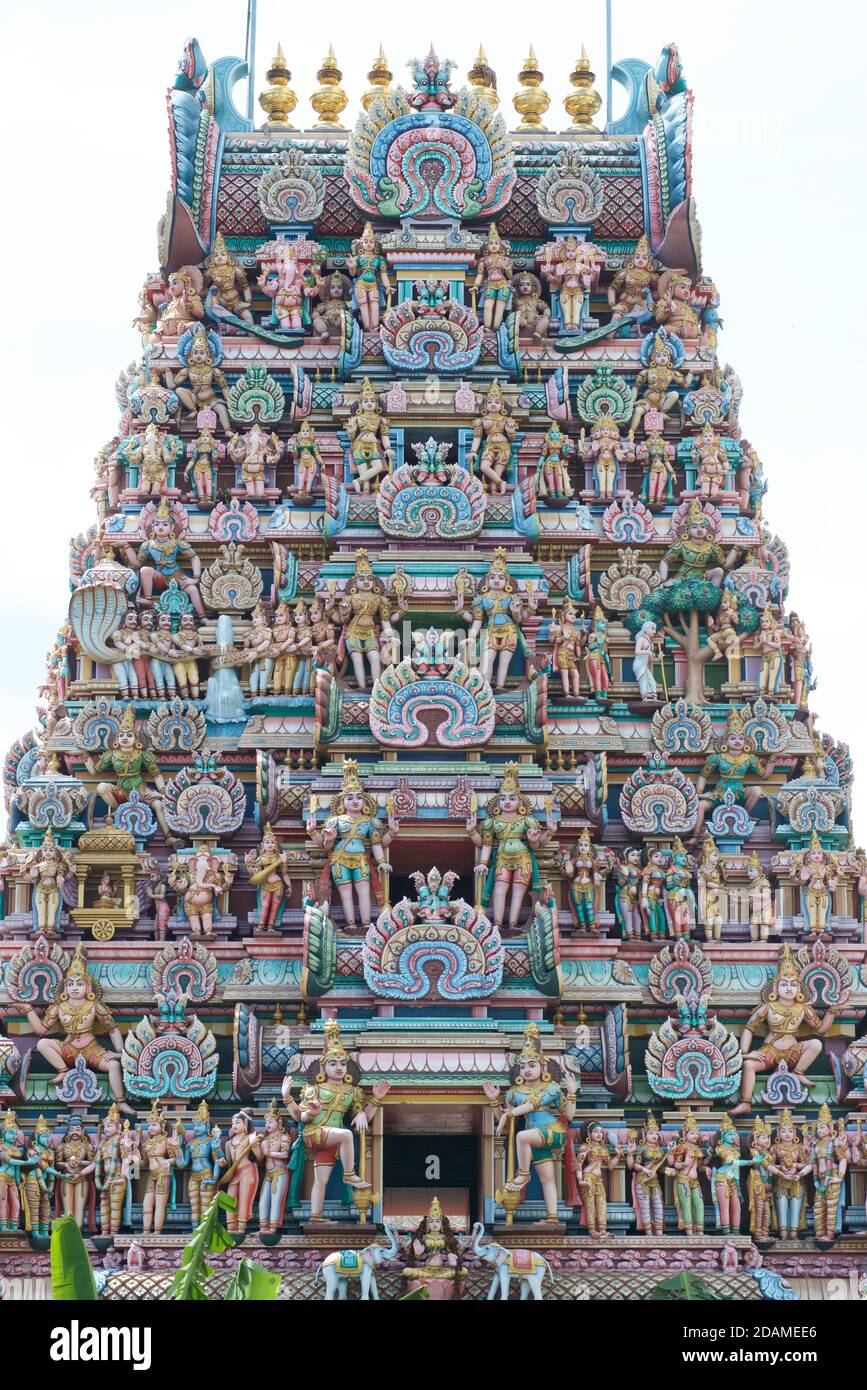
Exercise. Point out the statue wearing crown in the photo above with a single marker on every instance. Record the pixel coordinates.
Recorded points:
(497, 613)
(161, 556)
(546, 1108)
(369, 272)
(370, 440)
(47, 867)
(508, 839)
(830, 1160)
(355, 840)
(436, 1252)
(320, 1112)
(113, 1172)
(366, 614)
(79, 1015)
(789, 1163)
(817, 870)
(200, 384)
(633, 286)
(494, 274)
(160, 1151)
(783, 1013)
(203, 1152)
(731, 764)
(493, 433)
(132, 766)
(228, 286)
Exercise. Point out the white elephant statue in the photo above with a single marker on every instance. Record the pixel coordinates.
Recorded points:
(526, 1265)
(342, 1265)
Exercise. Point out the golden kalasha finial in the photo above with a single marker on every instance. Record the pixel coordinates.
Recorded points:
(584, 102)
(329, 99)
(483, 79)
(531, 101)
(379, 78)
(278, 99)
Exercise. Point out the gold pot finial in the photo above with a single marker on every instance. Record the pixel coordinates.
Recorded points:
(584, 102)
(379, 78)
(531, 101)
(329, 99)
(278, 98)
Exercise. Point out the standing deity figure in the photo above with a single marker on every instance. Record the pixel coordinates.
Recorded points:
(711, 888)
(760, 1182)
(597, 657)
(546, 1108)
(659, 477)
(497, 613)
(782, 1014)
(301, 651)
(129, 641)
(508, 839)
(199, 879)
(160, 640)
(258, 651)
(199, 380)
(607, 451)
(627, 894)
(645, 654)
(369, 272)
(112, 1173)
(494, 272)
(633, 286)
(712, 463)
(47, 867)
(551, 479)
(800, 653)
(586, 868)
(366, 614)
(39, 1179)
(731, 763)
(203, 1152)
(370, 440)
(160, 557)
(274, 1147)
(153, 454)
(674, 309)
(829, 1162)
(593, 1157)
(789, 1164)
(188, 648)
(568, 635)
(679, 896)
(572, 268)
(284, 281)
(268, 867)
(183, 308)
(760, 898)
(160, 1151)
(354, 840)
(228, 286)
(493, 433)
(204, 454)
(645, 1158)
(304, 452)
(132, 766)
(656, 384)
(321, 1112)
(725, 1179)
(241, 1178)
(687, 1159)
(816, 869)
(254, 452)
(770, 640)
(284, 650)
(653, 877)
(75, 1162)
(12, 1164)
(79, 1014)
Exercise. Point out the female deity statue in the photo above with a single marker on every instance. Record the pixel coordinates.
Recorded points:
(816, 869)
(547, 1109)
(370, 440)
(12, 1162)
(607, 451)
(799, 652)
(436, 1252)
(653, 877)
(243, 1154)
(132, 765)
(258, 650)
(594, 1156)
(551, 479)
(304, 452)
(633, 287)
(789, 1164)
(494, 271)
(204, 454)
(75, 1162)
(711, 891)
(568, 636)
(659, 478)
(354, 840)
(369, 271)
(203, 1151)
(268, 867)
(366, 614)
(284, 281)
(674, 308)
(255, 452)
(712, 463)
(302, 651)
(228, 286)
(158, 560)
(760, 1182)
(199, 879)
(497, 613)
(79, 1014)
(597, 656)
(642, 661)
(572, 268)
(761, 899)
(645, 1159)
(732, 763)
(321, 1111)
(153, 454)
(687, 1159)
(160, 1151)
(770, 641)
(332, 316)
(199, 379)
(627, 894)
(679, 897)
(47, 867)
(725, 1179)
(39, 1178)
(508, 839)
(184, 306)
(111, 1174)
(656, 384)
(782, 1013)
(274, 1147)
(497, 429)
(586, 868)
(829, 1162)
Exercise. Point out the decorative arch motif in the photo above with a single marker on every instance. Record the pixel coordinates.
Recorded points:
(449, 509)
(405, 710)
(658, 799)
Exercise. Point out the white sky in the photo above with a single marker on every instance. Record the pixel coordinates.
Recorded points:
(778, 174)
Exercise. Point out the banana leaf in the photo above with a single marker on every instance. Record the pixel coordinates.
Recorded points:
(252, 1281)
(71, 1273)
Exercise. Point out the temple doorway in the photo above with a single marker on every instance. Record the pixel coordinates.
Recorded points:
(431, 1150)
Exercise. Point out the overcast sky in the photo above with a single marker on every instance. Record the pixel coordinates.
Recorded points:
(778, 175)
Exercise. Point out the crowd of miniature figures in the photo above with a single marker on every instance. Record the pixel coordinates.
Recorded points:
(392, 572)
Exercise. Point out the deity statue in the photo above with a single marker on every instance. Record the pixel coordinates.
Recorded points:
(268, 867)
(627, 894)
(12, 1162)
(274, 1147)
(47, 867)
(829, 1162)
(607, 451)
(228, 287)
(508, 839)
(674, 309)
(330, 316)
(572, 268)
(788, 1163)
(321, 1111)
(725, 1179)
(497, 613)
(370, 440)
(156, 891)
(436, 1250)
(547, 1109)
(653, 877)
(679, 896)
(633, 286)
(800, 654)
(551, 479)
(199, 379)
(532, 314)
(199, 879)
(712, 463)
(656, 384)
(355, 841)
(659, 478)
(127, 669)
(112, 1173)
(284, 281)
(760, 1182)
(254, 451)
(597, 657)
(304, 452)
(816, 868)
(203, 1152)
(645, 1158)
(568, 635)
(153, 454)
(770, 640)
(586, 868)
(132, 766)
(258, 651)
(369, 271)
(79, 1015)
(593, 1157)
(731, 763)
(711, 888)
(160, 1151)
(782, 1014)
(75, 1162)
(494, 270)
(241, 1178)
(645, 653)
(188, 648)
(760, 898)
(39, 1177)
(497, 429)
(183, 308)
(686, 1159)
(722, 635)
(159, 559)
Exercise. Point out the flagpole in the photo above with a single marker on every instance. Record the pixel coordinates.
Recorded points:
(609, 60)
(251, 56)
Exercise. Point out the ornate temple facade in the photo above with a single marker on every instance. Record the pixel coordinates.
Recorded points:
(426, 837)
